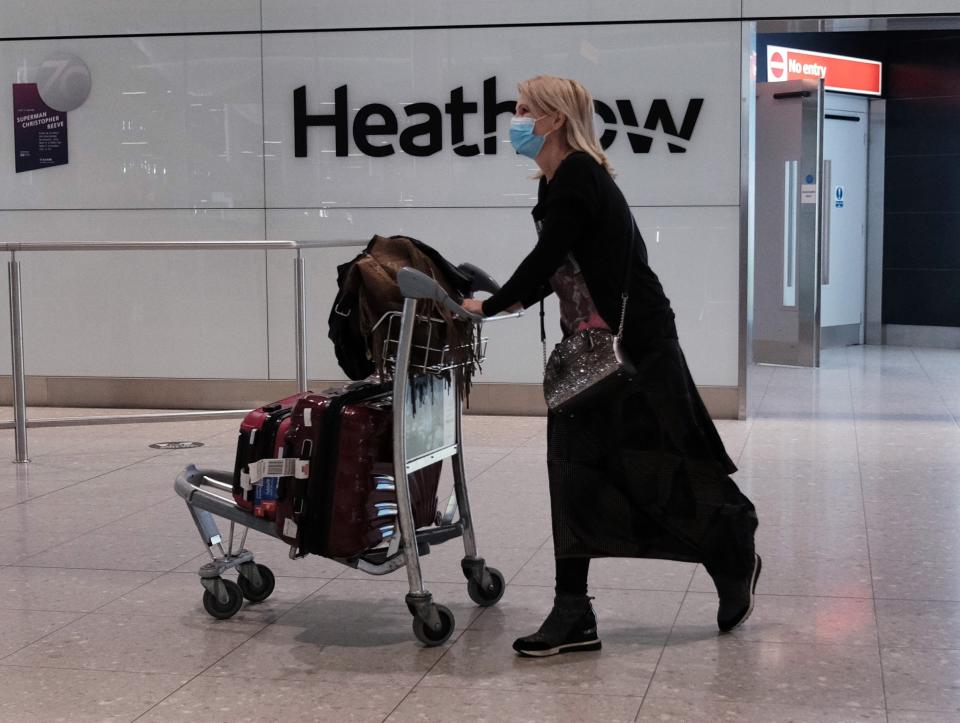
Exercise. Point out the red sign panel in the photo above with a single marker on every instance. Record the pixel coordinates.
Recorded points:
(839, 72)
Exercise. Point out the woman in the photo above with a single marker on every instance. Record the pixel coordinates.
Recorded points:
(646, 474)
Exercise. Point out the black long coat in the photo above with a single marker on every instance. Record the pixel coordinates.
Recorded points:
(644, 475)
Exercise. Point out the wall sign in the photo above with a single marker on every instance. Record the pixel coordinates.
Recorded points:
(838, 72)
(64, 81)
(375, 126)
(839, 194)
(39, 133)
(372, 120)
(40, 111)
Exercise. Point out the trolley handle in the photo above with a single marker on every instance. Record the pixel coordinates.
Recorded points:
(417, 285)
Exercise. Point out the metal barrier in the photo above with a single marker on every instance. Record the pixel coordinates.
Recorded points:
(16, 319)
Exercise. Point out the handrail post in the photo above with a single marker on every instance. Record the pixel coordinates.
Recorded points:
(16, 353)
(301, 321)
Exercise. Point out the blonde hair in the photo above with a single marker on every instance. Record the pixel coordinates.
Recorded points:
(569, 98)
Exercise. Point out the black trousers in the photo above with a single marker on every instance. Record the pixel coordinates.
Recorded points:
(572, 575)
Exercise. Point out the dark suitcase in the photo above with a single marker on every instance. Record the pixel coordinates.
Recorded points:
(348, 502)
(262, 436)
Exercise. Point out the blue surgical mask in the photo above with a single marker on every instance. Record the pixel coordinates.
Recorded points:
(523, 139)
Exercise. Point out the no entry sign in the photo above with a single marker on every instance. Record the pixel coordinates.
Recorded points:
(839, 72)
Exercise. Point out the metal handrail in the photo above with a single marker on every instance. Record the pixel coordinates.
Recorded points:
(16, 316)
(172, 245)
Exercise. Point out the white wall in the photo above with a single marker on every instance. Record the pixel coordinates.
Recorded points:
(189, 136)
(171, 122)
(297, 14)
(170, 144)
(835, 8)
(45, 18)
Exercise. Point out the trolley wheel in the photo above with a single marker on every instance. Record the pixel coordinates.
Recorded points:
(259, 593)
(218, 609)
(429, 637)
(485, 597)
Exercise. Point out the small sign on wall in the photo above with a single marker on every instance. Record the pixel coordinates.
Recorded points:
(839, 194)
(40, 111)
(40, 132)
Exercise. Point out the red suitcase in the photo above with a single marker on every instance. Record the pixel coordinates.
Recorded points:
(348, 502)
(262, 436)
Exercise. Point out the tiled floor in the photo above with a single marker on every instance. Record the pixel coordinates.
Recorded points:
(855, 470)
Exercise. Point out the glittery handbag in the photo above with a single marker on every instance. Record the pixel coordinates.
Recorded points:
(586, 369)
(591, 366)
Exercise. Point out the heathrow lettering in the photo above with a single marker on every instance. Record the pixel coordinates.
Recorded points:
(377, 131)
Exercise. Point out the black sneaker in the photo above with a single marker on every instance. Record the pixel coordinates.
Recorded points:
(571, 627)
(736, 598)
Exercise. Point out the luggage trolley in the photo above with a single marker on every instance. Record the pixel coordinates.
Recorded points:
(425, 430)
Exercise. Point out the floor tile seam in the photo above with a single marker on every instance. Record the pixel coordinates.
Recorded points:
(660, 697)
(509, 583)
(547, 540)
(74, 484)
(134, 589)
(675, 591)
(955, 600)
(247, 639)
(4, 608)
(873, 587)
(200, 673)
(138, 511)
(766, 387)
(94, 530)
(795, 595)
(733, 639)
(164, 571)
(326, 582)
(279, 576)
(80, 670)
(378, 580)
(936, 388)
(924, 649)
(44, 637)
(527, 689)
(787, 644)
(921, 710)
(427, 672)
(666, 643)
(150, 616)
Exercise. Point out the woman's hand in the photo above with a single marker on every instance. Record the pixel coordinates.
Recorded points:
(474, 306)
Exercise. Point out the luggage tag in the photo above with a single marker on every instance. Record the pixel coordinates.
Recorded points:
(282, 467)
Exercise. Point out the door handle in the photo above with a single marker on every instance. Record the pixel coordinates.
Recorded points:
(825, 185)
(790, 178)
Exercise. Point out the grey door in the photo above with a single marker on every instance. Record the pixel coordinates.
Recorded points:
(788, 202)
(844, 233)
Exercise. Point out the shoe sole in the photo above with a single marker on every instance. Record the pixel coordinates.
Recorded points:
(753, 588)
(583, 647)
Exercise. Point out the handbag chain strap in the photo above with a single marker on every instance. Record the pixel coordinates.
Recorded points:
(543, 334)
(626, 279)
(624, 295)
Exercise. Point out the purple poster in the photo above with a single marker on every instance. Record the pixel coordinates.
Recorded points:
(40, 132)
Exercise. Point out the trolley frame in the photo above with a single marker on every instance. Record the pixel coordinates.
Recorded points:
(208, 494)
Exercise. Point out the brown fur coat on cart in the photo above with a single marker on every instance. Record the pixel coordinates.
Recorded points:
(369, 293)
